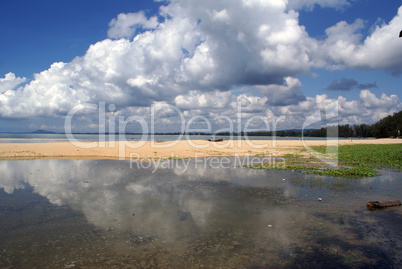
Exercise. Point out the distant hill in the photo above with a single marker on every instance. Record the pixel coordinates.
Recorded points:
(42, 132)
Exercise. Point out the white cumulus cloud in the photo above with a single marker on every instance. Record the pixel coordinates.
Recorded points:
(9, 82)
(371, 101)
(380, 50)
(198, 54)
(125, 25)
(282, 95)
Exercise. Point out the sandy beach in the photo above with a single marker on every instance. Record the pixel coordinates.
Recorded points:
(172, 149)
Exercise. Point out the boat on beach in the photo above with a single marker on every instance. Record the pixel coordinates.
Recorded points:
(213, 139)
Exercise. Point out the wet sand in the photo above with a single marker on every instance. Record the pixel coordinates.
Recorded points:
(172, 149)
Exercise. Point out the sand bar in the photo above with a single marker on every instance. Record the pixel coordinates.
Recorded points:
(179, 149)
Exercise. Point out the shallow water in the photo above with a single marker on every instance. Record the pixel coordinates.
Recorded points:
(191, 214)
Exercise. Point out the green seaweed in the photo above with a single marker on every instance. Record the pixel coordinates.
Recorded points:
(361, 159)
(368, 156)
(320, 170)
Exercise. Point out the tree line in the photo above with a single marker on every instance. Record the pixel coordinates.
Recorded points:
(384, 128)
(389, 126)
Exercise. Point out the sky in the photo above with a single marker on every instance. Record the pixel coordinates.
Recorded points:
(223, 65)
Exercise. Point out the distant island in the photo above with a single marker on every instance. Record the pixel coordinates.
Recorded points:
(40, 131)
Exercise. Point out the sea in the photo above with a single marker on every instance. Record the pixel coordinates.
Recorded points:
(45, 138)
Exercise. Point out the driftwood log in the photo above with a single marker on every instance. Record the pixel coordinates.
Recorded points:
(383, 204)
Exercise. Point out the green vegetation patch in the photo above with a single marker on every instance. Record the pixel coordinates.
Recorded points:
(289, 156)
(362, 159)
(369, 156)
(174, 158)
(320, 170)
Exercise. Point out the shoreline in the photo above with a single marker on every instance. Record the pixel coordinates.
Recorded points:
(137, 150)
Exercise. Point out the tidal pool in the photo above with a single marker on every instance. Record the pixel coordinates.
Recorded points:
(192, 214)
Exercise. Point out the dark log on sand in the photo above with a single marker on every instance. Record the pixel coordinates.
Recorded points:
(383, 204)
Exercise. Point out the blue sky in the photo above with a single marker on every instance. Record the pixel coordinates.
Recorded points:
(38, 33)
(370, 11)
(201, 57)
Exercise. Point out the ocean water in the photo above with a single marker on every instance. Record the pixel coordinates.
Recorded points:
(43, 138)
(192, 213)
